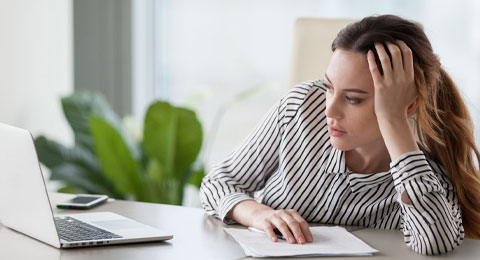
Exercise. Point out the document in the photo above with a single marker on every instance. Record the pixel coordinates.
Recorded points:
(327, 241)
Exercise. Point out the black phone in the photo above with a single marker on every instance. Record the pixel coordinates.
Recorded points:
(83, 201)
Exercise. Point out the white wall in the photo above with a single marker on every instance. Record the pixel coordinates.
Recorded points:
(36, 65)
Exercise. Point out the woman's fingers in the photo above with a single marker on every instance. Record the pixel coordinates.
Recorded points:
(294, 226)
(282, 226)
(400, 64)
(407, 58)
(397, 62)
(304, 226)
(290, 224)
(384, 59)
(372, 65)
(268, 228)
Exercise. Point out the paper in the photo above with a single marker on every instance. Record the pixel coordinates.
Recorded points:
(327, 241)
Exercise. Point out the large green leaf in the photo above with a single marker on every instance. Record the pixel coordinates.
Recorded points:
(115, 158)
(163, 188)
(80, 106)
(160, 134)
(196, 177)
(188, 140)
(77, 176)
(70, 189)
(53, 154)
(77, 109)
(172, 140)
(154, 178)
(173, 136)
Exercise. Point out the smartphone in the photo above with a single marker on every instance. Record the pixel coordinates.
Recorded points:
(83, 201)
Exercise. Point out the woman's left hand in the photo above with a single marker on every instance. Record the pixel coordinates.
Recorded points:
(395, 91)
(395, 96)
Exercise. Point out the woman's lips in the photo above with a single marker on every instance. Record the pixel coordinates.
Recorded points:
(335, 132)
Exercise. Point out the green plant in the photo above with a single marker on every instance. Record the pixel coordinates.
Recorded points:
(107, 160)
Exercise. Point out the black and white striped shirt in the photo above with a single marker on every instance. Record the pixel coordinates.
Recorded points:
(290, 158)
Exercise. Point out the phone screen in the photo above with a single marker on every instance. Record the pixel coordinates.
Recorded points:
(82, 200)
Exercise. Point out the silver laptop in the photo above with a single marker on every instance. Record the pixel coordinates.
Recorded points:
(25, 205)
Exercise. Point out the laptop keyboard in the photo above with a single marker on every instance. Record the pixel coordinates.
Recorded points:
(71, 229)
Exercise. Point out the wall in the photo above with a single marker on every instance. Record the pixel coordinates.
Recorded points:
(35, 65)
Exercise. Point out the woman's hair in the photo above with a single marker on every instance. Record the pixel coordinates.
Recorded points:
(442, 123)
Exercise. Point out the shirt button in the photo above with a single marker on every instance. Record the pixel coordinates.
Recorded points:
(405, 174)
(402, 164)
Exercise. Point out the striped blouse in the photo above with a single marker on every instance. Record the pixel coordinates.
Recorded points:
(289, 158)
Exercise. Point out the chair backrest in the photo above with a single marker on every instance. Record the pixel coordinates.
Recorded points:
(311, 48)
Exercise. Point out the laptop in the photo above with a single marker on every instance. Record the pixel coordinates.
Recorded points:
(25, 205)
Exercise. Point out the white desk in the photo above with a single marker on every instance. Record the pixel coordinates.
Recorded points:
(195, 236)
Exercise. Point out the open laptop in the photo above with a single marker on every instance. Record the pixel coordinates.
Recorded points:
(25, 205)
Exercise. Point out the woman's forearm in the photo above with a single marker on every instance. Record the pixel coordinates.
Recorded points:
(399, 139)
(243, 212)
(398, 136)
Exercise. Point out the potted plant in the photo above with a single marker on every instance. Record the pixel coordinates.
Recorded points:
(105, 159)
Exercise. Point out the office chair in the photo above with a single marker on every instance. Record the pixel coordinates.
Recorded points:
(311, 48)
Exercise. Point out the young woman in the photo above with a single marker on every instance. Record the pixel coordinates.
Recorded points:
(385, 141)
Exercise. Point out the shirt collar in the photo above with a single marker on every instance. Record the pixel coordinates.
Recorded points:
(358, 182)
(336, 162)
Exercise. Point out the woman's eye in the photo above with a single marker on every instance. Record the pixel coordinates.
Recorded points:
(352, 100)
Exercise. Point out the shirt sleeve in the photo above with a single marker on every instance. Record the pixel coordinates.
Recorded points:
(245, 170)
(433, 223)
(248, 168)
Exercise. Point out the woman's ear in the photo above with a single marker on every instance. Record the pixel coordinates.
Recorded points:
(412, 107)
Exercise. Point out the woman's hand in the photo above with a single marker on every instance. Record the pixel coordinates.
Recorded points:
(395, 91)
(253, 214)
(395, 96)
(292, 226)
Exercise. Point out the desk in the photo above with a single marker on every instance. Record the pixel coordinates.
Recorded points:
(195, 236)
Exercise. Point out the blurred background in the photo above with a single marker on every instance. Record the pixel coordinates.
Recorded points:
(227, 61)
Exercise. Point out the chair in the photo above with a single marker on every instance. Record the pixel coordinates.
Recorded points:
(311, 48)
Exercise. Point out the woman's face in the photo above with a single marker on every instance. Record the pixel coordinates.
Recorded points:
(350, 102)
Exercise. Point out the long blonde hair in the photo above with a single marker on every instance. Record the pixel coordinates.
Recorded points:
(442, 123)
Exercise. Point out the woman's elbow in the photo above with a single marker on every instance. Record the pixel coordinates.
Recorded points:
(436, 245)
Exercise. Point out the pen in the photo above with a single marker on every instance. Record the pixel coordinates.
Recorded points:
(277, 233)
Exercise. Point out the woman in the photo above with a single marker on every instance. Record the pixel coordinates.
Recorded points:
(385, 141)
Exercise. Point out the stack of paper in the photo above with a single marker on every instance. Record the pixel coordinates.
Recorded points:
(327, 241)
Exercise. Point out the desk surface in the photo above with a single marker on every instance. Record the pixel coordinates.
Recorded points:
(195, 236)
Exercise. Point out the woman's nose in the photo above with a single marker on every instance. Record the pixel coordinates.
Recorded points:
(333, 109)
